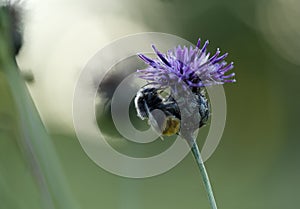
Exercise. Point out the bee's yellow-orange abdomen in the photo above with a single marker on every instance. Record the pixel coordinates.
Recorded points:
(172, 126)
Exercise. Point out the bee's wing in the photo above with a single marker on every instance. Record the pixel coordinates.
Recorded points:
(157, 120)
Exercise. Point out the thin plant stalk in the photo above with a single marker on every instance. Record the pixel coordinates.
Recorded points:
(204, 175)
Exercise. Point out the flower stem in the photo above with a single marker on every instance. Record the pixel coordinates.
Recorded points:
(205, 179)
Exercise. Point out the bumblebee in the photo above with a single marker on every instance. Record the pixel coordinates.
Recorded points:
(162, 111)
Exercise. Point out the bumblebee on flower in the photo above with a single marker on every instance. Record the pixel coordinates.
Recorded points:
(185, 72)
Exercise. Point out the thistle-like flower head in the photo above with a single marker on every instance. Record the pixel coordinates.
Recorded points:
(191, 66)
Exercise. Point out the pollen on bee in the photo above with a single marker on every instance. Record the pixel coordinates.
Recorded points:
(172, 126)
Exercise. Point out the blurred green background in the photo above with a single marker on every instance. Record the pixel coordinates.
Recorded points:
(256, 164)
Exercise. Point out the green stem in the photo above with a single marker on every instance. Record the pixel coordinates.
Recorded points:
(37, 142)
(205, 178)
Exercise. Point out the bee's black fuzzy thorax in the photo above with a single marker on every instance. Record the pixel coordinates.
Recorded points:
(148, 99)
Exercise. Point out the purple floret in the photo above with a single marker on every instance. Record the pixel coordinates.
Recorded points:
(191, 66)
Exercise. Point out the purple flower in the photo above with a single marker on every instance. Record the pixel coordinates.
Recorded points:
(191, 66)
